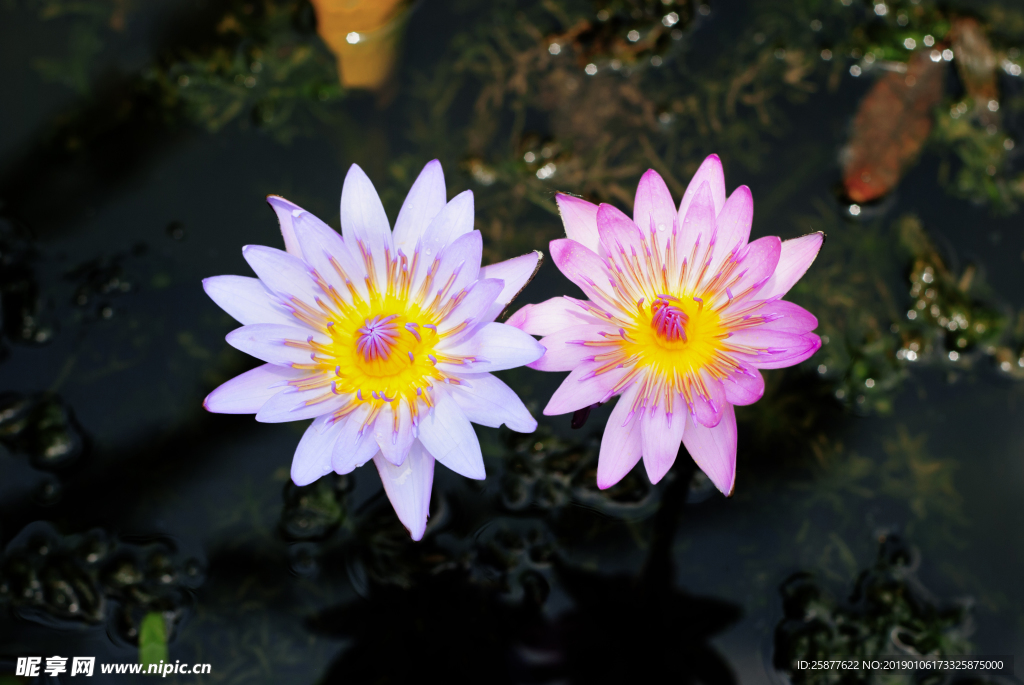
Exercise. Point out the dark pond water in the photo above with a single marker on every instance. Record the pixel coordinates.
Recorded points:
(877, 507)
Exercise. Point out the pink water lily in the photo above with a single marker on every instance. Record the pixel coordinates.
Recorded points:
(386, 339)
(682, 313)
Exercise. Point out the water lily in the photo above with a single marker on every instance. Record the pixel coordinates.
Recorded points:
(682, 315)
(386, 339)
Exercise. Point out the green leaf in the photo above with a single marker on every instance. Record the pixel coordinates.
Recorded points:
(153, 639)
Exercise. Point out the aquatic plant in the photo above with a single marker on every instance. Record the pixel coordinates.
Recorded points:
(888, 612)
(387, 340)
(682, 313)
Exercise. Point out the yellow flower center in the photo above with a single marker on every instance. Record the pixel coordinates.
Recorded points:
(382, 352)
(675, 335)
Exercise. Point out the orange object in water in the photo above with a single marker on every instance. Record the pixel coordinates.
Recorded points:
(363, 35)
(976, 61)
(892, 123)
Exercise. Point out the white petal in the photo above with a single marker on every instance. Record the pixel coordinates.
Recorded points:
(515, 273)
(408, 487)
(452, 222)
(426, 198)
(247, 300)
(353, 449)
(487, 401)
(394, 445)
(285, 275)
(449, 437)
(245, 394)
(313, 455)
(495, 347)
(286, 211)
(363, 220)
(474, 306)
(294, 405)
(321, 244)
(266, 341)
(453, 268)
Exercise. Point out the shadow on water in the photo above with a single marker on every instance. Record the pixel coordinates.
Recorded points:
(447, 618)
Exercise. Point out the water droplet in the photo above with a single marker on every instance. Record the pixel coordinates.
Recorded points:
(661, 227)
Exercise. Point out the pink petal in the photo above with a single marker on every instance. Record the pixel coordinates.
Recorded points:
(287, 276)
(654, 207)
(698, 224)
(797, 256)
(621, 445)
(408, 488)
(564, 351)
(757, 262)
(582, 389)
(515, 273)
(710, 171)
(356, 443)
(733, 225)
(707, 410)
(247, 300)
(296, 405)
(660, 437)
(583, 267)
(774, 349)
(394, 445)
(448, 436)
(744, 387)
(580, 220)
(714, 449)
(246, 393)
(313, 455)
(549, 316)
(496, 346)
(617, 231)
(266, 341)
(425, 200)
(363, 219)
(487, 401)
(321, 244)
(286, 211)
(786, 316)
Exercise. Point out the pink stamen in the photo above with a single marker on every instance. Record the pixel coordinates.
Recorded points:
(377, 338)
(669, 320)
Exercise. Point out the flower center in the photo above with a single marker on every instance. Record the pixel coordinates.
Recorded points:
(675, 335)
(669, 320)
(377, 338)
